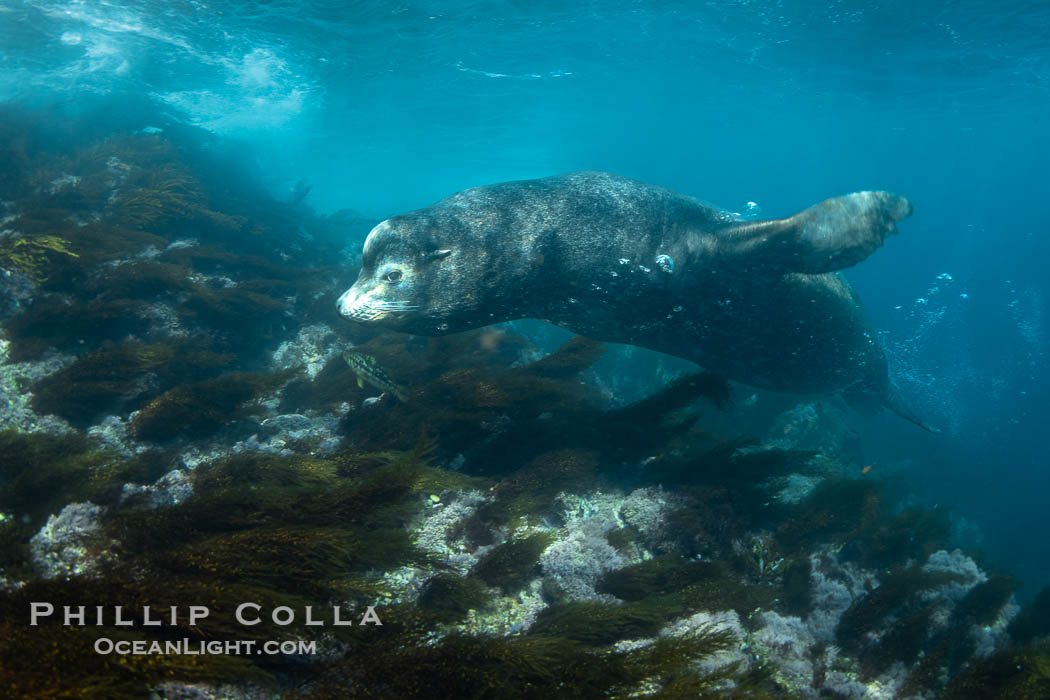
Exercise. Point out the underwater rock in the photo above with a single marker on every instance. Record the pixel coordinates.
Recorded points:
(795, 488)
(170, 490)
(956, 594)
(16, 290)
(841, 681)
(196, 455)
(646, 511)
(787, 644)
(808, 668)
(174, 690)
(887, 624)
(991, 638)
(835, 586)
(15, 409)
(293, 433)
(441, 533)
(163, 320)
(726, 621)
(575, 562)
(818, 426)
(287, 424)
(113, 434)
(71, 543)
(964, 570)
(312, 348)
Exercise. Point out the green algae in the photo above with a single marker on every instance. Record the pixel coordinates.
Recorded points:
(32, 256)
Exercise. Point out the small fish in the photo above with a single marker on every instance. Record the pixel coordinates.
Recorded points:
(866, 469)
(368, 370)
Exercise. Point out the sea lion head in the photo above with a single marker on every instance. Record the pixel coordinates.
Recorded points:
(417, 275)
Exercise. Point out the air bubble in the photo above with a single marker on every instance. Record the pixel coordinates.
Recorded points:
(751, 211)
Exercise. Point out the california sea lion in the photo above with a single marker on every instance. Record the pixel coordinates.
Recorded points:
(619, 260)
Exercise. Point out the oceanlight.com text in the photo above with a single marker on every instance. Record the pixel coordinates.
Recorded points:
(194, 647)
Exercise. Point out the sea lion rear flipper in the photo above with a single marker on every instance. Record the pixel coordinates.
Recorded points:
(893, 401)
(868, 402)
(833, 235)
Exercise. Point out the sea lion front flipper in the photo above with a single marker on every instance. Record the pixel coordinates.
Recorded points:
(833, 235)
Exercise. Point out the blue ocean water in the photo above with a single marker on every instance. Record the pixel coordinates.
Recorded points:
(383, 107)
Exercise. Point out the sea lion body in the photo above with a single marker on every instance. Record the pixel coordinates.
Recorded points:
(618, 260)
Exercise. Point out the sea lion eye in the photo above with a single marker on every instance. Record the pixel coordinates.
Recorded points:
(393, 276)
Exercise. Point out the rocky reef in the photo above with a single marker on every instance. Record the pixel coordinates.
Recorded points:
(179, 429)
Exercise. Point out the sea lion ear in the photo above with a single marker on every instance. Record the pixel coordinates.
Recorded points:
(438, 254)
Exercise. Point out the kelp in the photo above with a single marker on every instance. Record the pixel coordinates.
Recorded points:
(97, 382)
(1034, 619)
(199, 409)
(510, 565)
(530, 492)
(1017, 673)
(534, 666)
(275, 531)
(54, 323)
(41, 473)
